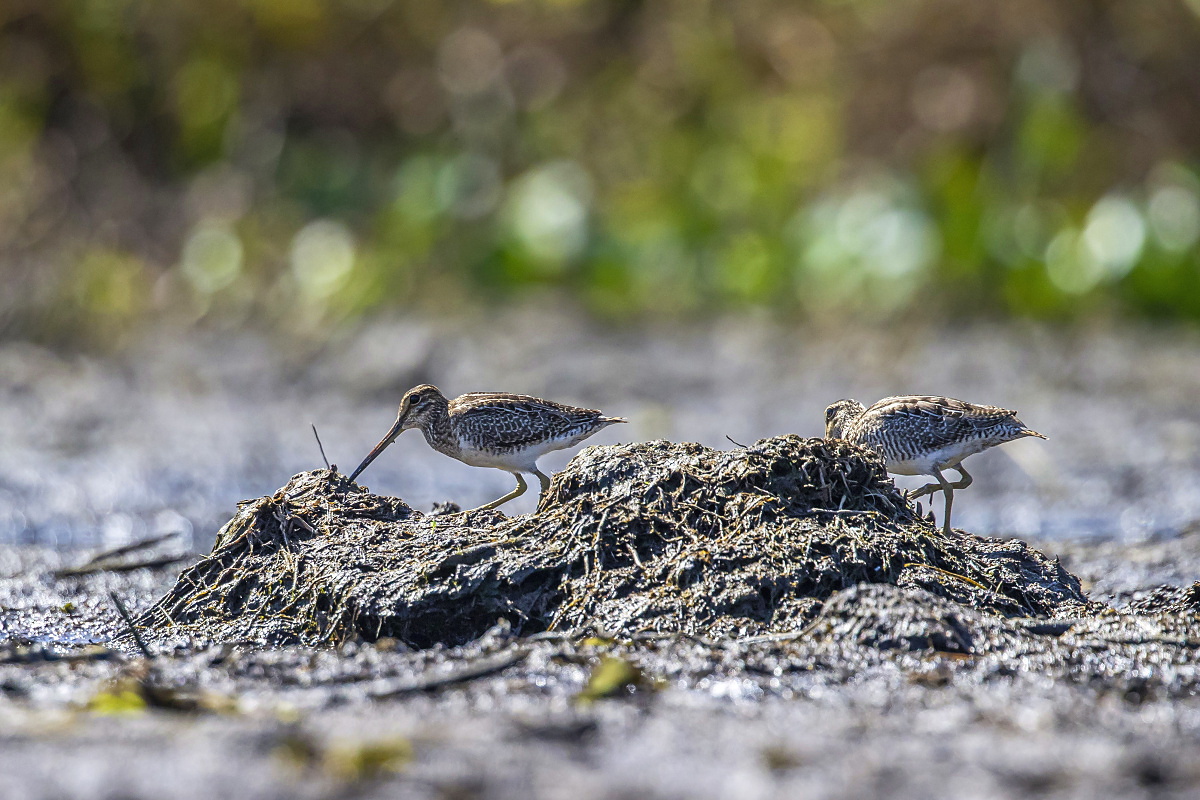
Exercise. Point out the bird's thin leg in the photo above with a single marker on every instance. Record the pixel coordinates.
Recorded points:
(966, 478)
(948, 491)
(517, 492)
(543, 478)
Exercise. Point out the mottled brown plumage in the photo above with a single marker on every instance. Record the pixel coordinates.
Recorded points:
(492, 429)
(922, 435)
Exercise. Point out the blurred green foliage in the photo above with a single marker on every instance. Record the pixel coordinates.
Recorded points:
(318, 159)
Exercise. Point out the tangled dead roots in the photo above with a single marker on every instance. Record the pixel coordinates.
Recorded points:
(650, 537)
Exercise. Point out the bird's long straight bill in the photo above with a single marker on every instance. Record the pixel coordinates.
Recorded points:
(379, 448)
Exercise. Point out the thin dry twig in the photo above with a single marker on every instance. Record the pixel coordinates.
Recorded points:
(429, 682)
(121, 566)
(137, 636)
(125, 549)
(320, 446)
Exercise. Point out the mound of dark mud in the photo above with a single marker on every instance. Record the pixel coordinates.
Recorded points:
(652, 537)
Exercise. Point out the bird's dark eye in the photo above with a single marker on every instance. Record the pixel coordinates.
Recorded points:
(829, 413)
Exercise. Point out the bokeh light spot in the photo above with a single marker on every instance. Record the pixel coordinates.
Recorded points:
(1049, 64)
(322, 257)
(944, 98)
(1068, 265)
(469, 61)
(1114, 234)
(871, 247)
(212, 258)
(205, 92)
(549, 210)
(1175, 217)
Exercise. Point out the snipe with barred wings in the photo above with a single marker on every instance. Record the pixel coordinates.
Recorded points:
(487, 429)
(923, 435)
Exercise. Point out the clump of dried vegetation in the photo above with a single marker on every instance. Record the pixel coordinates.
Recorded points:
(655, 537)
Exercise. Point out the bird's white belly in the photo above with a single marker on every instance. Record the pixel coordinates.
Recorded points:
(523, 460)
(941, 459)
(910, 467)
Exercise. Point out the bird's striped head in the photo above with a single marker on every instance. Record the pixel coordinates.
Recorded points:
(839, 416)
(419, 406)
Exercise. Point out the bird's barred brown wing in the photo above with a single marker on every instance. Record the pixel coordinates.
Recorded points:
(928, 423)
(514, 421)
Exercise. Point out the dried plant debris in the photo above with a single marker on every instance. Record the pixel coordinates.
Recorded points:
(1172, 599)
(655, 537)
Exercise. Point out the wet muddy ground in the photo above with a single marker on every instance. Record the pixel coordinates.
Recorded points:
(101, 452)
(830, 714)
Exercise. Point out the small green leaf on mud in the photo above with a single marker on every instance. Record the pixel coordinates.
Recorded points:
(120, 702)
(596, 641)
(363, 760)
(346, 760)
(609, 677)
